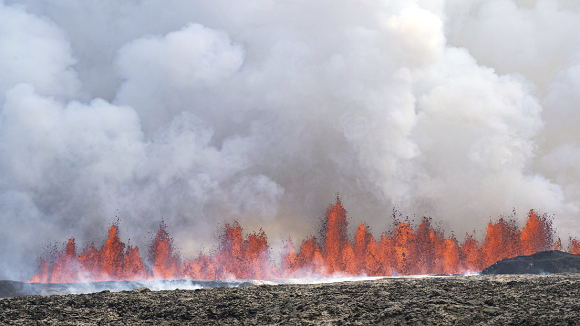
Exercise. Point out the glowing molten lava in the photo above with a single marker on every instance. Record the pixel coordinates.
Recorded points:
(401, 251)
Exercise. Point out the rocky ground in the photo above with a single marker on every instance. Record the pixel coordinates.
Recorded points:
(453, 300)
(552, 261)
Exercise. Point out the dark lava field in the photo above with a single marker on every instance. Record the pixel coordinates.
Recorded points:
(445, 300)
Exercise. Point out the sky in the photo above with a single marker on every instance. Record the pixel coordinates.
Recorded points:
(202, 112)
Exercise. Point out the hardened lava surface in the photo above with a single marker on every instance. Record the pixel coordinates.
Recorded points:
(450, 300)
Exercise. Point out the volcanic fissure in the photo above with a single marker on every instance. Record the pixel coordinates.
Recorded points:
(403, 250)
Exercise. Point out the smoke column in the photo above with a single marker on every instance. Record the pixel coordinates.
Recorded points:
(202, 112)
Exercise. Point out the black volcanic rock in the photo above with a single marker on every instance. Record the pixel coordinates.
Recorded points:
(448, 300)
(10, 289)
(545, 262)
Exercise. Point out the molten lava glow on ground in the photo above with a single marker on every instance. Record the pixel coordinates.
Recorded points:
(404, 250)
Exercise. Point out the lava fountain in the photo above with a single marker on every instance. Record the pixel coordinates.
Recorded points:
(403, 250)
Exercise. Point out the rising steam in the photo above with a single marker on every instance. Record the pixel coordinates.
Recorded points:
(202, 112)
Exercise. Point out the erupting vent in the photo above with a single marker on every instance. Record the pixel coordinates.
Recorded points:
(401, 251)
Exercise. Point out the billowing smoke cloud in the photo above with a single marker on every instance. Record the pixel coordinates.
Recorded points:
(205, 112)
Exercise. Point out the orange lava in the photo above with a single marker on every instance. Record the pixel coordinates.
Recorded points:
(403, 250)
(574, 246)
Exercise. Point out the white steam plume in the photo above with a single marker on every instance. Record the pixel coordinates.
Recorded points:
(202, 112)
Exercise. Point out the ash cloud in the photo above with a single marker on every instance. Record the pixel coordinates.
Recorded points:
(202, 112)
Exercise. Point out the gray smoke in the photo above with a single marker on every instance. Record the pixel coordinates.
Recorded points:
(201, 112)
